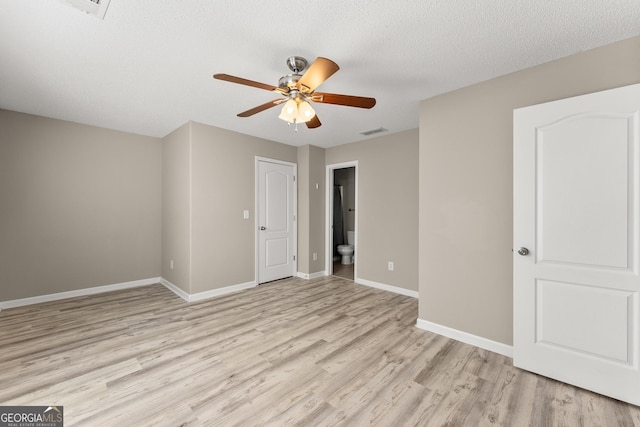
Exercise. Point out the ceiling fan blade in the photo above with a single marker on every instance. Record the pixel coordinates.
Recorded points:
(318, 72)
(347, 100)
(262, 107)
(314, 122)
(246, 82)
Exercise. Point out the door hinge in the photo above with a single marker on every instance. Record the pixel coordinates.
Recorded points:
(294, 257)
(294, 178)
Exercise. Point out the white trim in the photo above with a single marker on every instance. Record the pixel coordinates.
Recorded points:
(173, 288)
(206, 294)
(4, 305)
(487, 344)
(311, 276)
(388, 288)
(221, 291)
(78, 293)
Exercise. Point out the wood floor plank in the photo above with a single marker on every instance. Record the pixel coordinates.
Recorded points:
(325, 352)
(359, 373)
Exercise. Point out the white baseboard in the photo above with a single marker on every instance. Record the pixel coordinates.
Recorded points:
(222, 291)
(77, 293)
(311, 276)
(207, 294)
(4, 305)
(388, 288)
(487, 344)
(173, 288)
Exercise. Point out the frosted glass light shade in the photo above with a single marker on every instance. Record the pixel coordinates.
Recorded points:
(289, 112)
(305, 112)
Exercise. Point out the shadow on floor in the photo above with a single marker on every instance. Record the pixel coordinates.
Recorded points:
(344, 271)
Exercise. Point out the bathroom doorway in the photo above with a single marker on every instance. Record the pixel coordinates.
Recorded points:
(341, 218)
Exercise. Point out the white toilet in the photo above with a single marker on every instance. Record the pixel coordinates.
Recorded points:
(347, 250)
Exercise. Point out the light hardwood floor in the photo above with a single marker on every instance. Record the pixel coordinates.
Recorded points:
(294, 352)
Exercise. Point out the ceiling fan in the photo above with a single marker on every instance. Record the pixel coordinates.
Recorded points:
(298, 90)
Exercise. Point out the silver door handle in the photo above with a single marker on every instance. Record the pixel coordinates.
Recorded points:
(262, 228)
(523, 251)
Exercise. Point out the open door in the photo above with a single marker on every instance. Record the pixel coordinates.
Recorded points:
(577, 241)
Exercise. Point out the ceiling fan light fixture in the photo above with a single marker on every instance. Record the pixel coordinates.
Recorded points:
(298, 91)
(289, 111)
(305, 112)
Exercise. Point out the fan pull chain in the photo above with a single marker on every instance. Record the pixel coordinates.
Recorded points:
(295, 123)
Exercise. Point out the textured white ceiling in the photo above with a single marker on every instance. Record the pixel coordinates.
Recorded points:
(147, 67)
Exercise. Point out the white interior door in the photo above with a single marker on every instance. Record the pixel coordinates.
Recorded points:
(276, 221)
(576, 210)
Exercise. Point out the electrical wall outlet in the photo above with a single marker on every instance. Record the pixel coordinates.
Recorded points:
(171, 264)
(391, 266)
(315, 256)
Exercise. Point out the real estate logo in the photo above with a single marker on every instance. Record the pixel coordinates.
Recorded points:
(31, 416)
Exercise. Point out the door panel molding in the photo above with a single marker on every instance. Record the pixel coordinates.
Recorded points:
(275, 217)
(610, 139)
(589, 332)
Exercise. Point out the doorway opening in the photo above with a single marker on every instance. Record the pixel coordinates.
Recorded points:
(342, 199)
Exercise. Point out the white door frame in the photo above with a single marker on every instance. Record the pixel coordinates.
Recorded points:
(256, 216)
(329, 216)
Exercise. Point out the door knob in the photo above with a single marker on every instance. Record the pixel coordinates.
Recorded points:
(262, 228)
(523, 251)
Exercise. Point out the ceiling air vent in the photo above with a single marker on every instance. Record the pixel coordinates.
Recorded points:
(373, 131)
(97, 8)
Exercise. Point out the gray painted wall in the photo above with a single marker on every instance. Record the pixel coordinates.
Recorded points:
(176, 202)
(79, 206)
(316, 208)
(208, 181)
(304, 256)
(222, 186)
(466, 200)
(311, 202)
(387, 206)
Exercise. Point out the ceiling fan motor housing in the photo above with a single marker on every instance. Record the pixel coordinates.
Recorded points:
(289, 81)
